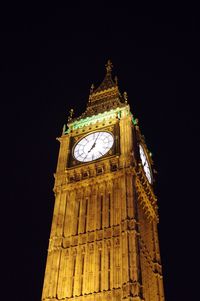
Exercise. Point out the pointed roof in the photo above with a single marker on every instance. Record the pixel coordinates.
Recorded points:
(107, 83)
(106, 96)
(106, 86)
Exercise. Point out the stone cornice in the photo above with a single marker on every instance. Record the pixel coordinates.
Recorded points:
(97, 173)
(105, 295)
(81, 239)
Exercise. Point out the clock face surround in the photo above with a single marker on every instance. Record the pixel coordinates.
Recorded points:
(145, 164)
(93, 146)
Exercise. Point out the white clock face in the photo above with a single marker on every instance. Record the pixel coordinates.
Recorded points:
(93, 146)
(145, 164)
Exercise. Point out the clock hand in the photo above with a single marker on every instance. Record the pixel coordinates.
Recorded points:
(92, 147)
(97, 138)
(94, 144)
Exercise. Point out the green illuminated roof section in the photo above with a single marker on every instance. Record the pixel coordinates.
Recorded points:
(96, 118)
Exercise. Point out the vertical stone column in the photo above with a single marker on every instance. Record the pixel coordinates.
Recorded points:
(69, 214)
(70, 272)
(54, 269)
(45, 292)
(123, 197)
(96, 266)
(92, 209)
(96, 213)
(130, 196)
(124, 258)
(82, 212)
(91, 268)
(106, 264)
(106, 207)
(112, 267)
(134, 249)
(126, 143)
(66, 220)
(117, 202)
(109, 189)
(103, 261)
(87, 197)
(63, 153)
(85, 274)
(77, 280)
(155, 240)
(54, 253)
(55, 214)
(62, 279)
(79, 197)
(73, 213)
(117, 264)
(61, 214)
(158, 269)
(102, 204)
(133, 260)
(98, 210)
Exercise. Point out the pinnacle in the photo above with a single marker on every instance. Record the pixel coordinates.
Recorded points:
(108, 82)
(109, 66)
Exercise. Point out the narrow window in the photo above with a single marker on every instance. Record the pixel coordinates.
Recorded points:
(100, 268)
(82, 271)
(74, 265)
(108, 259)
(109, 209)
(73, 274)
(101, 211)
(83, 264)
(78, 214)
(108, 269)
(86, 209)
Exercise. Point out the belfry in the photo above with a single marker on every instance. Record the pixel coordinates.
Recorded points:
(104, 242)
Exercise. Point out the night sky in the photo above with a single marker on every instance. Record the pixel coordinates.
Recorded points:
(50, 56)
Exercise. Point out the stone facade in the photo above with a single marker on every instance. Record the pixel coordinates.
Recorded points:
(104, 241)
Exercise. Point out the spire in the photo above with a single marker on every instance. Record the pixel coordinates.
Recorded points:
(108, 82)
(106, 96)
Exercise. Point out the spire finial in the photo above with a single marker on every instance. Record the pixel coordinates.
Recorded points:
(109, 66)
(92, 88)
(125, 96)
(71, 112)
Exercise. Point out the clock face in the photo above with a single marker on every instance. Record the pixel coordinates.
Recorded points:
(93, 146)
(145, 164)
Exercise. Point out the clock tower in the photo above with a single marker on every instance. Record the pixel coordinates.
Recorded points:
(104, 242)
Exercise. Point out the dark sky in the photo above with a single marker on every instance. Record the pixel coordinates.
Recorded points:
(50, 56)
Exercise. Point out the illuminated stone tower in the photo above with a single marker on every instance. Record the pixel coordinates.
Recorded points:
(104, 241)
